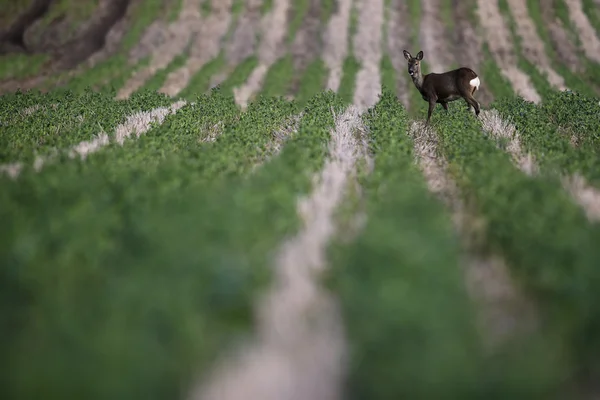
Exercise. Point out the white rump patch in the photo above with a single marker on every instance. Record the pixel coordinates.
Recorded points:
(475, 82)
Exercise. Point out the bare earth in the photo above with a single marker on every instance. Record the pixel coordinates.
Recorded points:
(367, 49)
(438, 54)
(585, 30)
(503, 309)
(499, 41)
(582, 193)
(588, 197)
(274, 29)
(306, 46)
(498, 128)
(397, 40)
(178, 35)
(206, 46)
(138, 124)
(469, 46)
(242, 43)
(565, 48)
(335, 42)
(300, 349)
(532, 46)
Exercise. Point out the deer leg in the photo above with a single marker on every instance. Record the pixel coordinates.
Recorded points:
(432, 102)
(445, 105)
(471, 100)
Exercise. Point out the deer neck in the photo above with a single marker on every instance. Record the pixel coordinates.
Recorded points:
(418, 80)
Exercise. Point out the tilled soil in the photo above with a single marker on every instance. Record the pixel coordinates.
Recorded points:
(438, 52)
(397, 41)
(565, 48)
(498, 38)
(274, 29)
(367, 44)
(242, 43)
(300, 350)
(206, 45)
(532, 46)
(335, 41)
(171, 40)
(587, 34)
(469, 46)
(503, 311)
(307, 45)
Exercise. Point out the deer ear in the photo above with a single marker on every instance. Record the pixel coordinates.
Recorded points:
(420, 55)
(407, 55)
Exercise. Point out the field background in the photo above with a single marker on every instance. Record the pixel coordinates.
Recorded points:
(239, 199)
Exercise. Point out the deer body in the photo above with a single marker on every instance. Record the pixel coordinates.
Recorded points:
(444, 87)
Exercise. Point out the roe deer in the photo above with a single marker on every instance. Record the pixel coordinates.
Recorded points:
(444, 87)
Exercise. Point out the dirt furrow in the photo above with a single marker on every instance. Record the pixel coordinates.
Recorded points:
(306, 46)
(563, 45)
(532, 46)
(242, 43)
(335, 40)
(178, 36)
(438, 53)
(586, 196)
(504, 310)
(300, 349)
(498, 128)
(587, 34)
(206, 46)
(138, 124)
(469, 45)
(497, 36)
(272, 47)
(12, 170)
(398, 40)
(367, 44)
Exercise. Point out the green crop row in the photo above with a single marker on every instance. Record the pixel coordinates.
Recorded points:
(121, 281)
(411, 326)
(63, 119)
(543, 235)
(546, 131)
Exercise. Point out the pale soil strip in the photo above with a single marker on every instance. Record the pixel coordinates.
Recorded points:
(367, 49)
(278, 139)
(469, 46)
(532, 46)
(565, 48)
(306, 45)
(179, 34)
(504, 310)
(206, 46)
(300, 349)
(498, 128)
(243, 40)
(586, 196)
(272, 47)
(585, 30)
(437, 51)
(335, 40)
(397, 40)
(29, 111)
(498, 38)
(12, 170)
(138, 124)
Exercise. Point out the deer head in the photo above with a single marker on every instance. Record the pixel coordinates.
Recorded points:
(414, 63)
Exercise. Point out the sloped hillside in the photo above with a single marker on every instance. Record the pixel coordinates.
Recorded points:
(240, 199)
